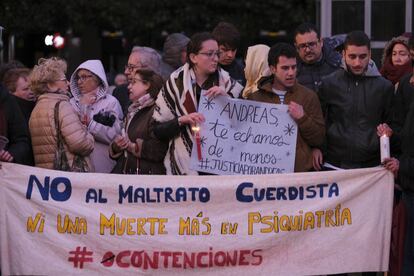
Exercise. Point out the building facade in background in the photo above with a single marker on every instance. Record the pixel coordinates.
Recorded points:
(381, 20)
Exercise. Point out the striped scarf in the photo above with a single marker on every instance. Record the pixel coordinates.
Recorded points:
(178, 98)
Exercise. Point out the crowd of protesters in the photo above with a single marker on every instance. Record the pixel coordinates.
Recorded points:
(144, 124)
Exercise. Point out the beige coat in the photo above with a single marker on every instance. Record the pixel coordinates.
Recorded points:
(77, 140)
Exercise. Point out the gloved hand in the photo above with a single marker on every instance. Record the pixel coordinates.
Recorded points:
(105, 118)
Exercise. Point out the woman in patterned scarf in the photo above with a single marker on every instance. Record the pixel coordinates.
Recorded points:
(177, 104)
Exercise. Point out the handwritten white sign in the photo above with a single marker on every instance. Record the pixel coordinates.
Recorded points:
(244, 137)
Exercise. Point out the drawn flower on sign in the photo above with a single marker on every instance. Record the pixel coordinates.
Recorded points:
(203, 141)
(208, 103)
(289, 129)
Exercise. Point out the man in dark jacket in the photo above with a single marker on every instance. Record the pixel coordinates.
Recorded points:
(303, 104)
(14, 128)
(355, 100)
(316, 57)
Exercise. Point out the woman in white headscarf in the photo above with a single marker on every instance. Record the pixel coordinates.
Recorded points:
(98, 110)
(256, 67)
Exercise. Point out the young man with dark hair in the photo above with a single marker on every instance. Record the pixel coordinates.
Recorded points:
(316, 57)
(303, 104)
(355, 100)
(228, 39)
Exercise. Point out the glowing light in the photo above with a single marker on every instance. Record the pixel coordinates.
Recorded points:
(49, 40)
(55, 40)
(58, 41)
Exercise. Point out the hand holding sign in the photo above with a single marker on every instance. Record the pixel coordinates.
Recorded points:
(214, 91)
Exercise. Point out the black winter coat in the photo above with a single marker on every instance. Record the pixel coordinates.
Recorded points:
(353, 107)
(404, 132)
(14, 127)
(121, 94)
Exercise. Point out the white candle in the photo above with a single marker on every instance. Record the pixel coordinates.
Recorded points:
(385, 147)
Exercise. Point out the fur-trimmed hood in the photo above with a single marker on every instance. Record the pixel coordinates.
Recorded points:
(390, 44)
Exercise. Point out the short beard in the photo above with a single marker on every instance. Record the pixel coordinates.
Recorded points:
(348, 68)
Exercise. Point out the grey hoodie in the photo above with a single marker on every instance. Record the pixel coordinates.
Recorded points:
(372, 69)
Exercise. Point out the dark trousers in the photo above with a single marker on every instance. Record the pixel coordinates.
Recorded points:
(408, 262)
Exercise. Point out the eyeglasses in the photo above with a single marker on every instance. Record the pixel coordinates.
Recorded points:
(309, 45)
(83, 77)
(211, 54)
(135, 80)
(130, 67)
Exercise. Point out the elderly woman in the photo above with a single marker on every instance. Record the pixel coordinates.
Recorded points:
(49, 83)
(99, 110)
(177, 102)
(139, 152)
(396, 61)
(256, 67)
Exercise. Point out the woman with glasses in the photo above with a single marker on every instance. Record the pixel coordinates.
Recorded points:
(48, 82)
(177, 104)
(97, 109)
(138, 151)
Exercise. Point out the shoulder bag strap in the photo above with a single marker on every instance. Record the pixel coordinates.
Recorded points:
(57, 125)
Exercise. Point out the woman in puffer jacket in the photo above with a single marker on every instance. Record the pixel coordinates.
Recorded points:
(98, 110)
(49, 83)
